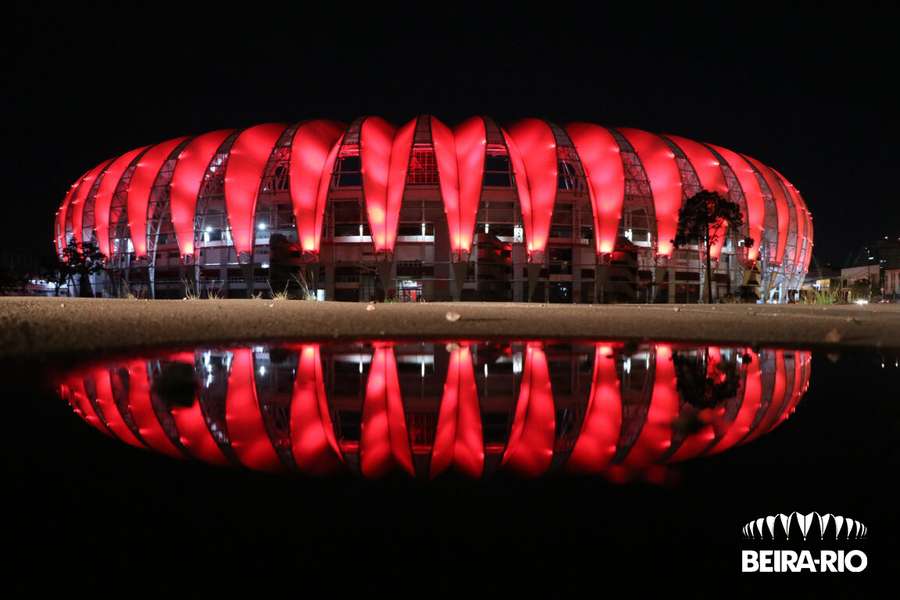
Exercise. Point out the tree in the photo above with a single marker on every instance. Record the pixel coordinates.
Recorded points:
(704, 219)
(862, 289)
(81, 261)
(703, 384)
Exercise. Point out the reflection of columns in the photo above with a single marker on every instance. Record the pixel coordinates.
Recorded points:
(190, 424)
(656, 435)
(193, 432)
(750, 403)
(246, 429)
(530, 446)
(802, 368)
(596, 443)
(111, 415)
(779, 399)
(141, 409)
(384, 439)
(72, 389)
(458, 441)
(313, 442)
(697, 441)
(195, 435)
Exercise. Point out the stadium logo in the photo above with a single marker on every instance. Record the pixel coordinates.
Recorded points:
(807, 529)
(842, 529)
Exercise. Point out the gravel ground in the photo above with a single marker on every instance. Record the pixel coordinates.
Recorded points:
(42, 326)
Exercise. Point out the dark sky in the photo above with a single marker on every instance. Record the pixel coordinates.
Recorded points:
(810, 92)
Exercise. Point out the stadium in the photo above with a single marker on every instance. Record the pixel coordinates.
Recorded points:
(428, 212)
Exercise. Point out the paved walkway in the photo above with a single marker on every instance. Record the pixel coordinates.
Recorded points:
(34, 326)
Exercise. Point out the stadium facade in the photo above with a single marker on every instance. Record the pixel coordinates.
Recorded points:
(425, 211)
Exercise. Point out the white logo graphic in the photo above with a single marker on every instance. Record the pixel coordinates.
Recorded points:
(835, 526)
(828, 527)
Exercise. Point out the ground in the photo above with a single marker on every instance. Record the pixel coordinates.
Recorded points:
(40, 326)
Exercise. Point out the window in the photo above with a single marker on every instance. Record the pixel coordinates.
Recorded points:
(280, 179)
(351, 229)
(636, 226)
(346, 274)
(560, 255)
(560, 231)
(349, 218)
(415, 229)
(422, 167)
(502, 229)
(411, 270)
(566, 178)
(348, 171)
(496, 168)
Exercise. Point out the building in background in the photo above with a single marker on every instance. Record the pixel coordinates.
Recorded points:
(425, 211)
(874, 273)
(821, 279)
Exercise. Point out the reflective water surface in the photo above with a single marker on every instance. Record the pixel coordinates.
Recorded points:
(623, 410)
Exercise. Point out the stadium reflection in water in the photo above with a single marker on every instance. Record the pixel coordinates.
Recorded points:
(425, 408)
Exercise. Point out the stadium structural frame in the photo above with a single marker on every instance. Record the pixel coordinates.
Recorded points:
(426, 211)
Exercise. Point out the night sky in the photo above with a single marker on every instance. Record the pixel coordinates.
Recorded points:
(809, 92)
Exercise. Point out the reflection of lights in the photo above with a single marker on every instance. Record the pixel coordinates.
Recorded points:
(262, 226)
(861, 301)
(530, 402)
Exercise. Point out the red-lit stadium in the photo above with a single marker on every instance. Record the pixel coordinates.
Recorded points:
(425, 211)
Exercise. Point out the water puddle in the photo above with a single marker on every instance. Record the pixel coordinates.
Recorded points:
(626, 411)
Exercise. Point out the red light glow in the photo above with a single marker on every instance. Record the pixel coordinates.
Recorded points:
(193, 162)
(602, 162)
